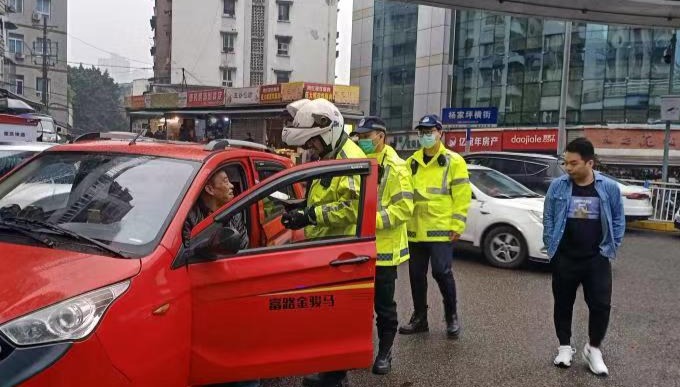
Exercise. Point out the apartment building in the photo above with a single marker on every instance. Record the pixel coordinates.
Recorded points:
(26, 46)
(241, 43)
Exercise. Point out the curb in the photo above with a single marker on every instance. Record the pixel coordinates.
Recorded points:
(653, 226)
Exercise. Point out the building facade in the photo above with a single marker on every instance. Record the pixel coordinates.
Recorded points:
(414, 60)
(245, 43)
(26, 47)
(617, 74)
(430, 58)
(401, 59)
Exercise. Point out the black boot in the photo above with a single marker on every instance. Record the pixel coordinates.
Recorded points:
(383, 362)
(417, 324)
(326, 379)
(452, 327)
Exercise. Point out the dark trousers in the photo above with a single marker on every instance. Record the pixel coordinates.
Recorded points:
(595, 274)
(385, 306)
(385, 311)
(440, 254)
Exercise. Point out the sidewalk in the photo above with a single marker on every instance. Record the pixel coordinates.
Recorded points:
(653, 226)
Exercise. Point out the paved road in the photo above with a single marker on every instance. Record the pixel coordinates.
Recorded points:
(508, 337)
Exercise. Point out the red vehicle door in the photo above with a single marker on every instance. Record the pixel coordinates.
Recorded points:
(284, 309)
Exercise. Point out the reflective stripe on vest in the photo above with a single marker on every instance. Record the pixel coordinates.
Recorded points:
(385, 218)
(444, 190)
(388, 257)
(438, 233)
(460, 217)
(401, 195)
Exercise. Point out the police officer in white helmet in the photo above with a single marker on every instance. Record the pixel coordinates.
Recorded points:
(332, 205)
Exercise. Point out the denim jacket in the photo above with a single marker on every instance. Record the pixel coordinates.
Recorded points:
(556, 207)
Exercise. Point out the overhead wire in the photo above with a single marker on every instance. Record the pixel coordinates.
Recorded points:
(106, 51)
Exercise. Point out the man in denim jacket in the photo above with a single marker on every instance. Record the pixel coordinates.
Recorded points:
(583, 227)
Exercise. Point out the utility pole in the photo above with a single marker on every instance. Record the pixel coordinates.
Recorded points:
(670, 58)
(564, 92)
(44, 66)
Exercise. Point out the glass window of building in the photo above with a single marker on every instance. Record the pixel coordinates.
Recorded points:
(616, 73)
(395, 28)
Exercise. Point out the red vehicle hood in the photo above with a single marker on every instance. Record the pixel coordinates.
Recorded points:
(32, 278)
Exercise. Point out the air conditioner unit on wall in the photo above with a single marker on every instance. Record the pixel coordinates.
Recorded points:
(37, 17)
(19, 56)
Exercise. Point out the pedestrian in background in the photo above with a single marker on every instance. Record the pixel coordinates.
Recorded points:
(442, 196)
(583, 227)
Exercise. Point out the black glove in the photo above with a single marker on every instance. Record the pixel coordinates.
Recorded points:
(295, 220)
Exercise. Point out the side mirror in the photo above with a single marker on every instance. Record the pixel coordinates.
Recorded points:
(223, 242)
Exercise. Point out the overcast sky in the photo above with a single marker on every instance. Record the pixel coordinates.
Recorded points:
(122, 27)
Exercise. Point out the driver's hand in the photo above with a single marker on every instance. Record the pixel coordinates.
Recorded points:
(455, 237)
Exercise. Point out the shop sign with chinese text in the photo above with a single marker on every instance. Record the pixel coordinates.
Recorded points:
(318, 90)
(243, 96)
(205, 98)
(270, 93)
(530, 140)
(482, 140)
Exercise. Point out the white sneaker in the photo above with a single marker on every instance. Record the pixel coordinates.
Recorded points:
(564, 356)
(593, 357)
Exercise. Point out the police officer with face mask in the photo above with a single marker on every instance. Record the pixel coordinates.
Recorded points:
(395, 208)
(442, 195)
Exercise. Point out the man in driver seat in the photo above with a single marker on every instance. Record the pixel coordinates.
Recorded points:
(217, 192)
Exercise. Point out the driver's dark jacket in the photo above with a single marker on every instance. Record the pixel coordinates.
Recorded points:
(200, 212)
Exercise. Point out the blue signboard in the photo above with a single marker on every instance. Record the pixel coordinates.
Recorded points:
(470, 116)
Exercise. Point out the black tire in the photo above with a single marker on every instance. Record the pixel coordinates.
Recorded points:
(505, 247)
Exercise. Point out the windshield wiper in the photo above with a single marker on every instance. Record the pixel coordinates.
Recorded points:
(502, 196)
(19, 229)
(71, 234)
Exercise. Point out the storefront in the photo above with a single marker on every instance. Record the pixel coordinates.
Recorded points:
(634, 152)
(254, 113)
(529, 140)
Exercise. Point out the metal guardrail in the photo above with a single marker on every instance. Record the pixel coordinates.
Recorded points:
(666, 203)
(665, 198)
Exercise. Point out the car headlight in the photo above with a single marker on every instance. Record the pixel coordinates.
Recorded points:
(72, 319)
(537, 215)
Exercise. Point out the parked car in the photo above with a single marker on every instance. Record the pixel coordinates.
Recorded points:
(677, 220)
(505, 219)
(102, 285)
(13, 153)
(637, 200)
(537, 171)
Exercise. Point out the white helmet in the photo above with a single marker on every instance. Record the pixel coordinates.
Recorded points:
(294, 107)
(314, 118)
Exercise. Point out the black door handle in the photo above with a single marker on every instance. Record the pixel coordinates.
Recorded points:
(351, 261)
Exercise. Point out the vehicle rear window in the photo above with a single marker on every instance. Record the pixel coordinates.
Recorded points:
(535, 169)
(507, 166)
